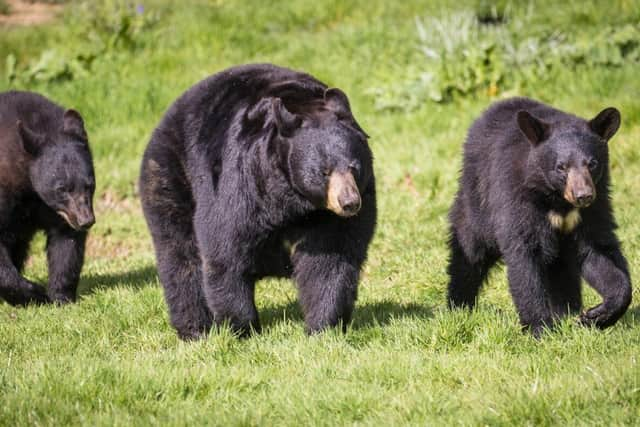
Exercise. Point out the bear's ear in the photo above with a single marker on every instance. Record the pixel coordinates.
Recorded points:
(272, 110)
(73, 124)
(285, 121)
(606, 123)
(337, 101)
(534, 129)
(31, 141)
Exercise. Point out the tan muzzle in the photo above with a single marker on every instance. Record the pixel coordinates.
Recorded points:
(579, 190)
(343, 197)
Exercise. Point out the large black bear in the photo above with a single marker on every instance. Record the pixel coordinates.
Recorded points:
(258, 171)
(534, 191)
(46, 183)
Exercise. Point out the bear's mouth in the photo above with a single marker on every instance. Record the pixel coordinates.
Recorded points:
(343, 197)
(73, 221)
(68, 219)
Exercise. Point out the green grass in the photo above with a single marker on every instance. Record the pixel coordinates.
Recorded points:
(113, 359)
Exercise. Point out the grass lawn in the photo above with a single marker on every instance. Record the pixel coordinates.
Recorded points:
(113, 359)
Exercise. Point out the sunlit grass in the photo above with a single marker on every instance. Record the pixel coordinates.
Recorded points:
(113, 359)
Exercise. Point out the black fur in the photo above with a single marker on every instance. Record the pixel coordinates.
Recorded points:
(46, 172)
(518, 158)
(235, 179)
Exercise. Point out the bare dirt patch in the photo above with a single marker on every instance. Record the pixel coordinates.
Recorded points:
(22, 13)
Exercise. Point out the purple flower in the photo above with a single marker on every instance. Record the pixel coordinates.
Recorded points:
(140, 9)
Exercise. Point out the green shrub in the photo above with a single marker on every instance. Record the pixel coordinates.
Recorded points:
(96, 30)
(4, 8)
(492, 52)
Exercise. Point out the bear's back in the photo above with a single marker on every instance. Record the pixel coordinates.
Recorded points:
(34, 110)
(206, 111)
(37, 113)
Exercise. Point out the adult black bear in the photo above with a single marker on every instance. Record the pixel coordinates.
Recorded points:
(46, 183)
(258, 171)
(534, 191)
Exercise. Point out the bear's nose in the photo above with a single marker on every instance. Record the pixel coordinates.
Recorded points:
(584, 198)
(343, 197)
(350, 203)
(86, 222)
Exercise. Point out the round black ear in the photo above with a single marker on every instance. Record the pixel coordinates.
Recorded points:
(534, 129)
(606, 123)
(286, 122)
(272, 110)
(73, 124)
(337, 101)
(31, 141)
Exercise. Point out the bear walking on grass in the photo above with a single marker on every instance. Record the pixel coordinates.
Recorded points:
(534, 192)
(258, 171)
(46, 183)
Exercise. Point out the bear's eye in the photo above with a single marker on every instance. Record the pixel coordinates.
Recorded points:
(354, 168)
(593, 163)
(561, 167)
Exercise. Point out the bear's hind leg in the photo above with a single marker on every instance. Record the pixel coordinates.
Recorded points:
(15, 289)
(466, 274)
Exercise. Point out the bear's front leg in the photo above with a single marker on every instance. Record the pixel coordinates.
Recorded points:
(227, 285)
(65, 257)
(527, 282)
(605, 269)
(327, 261)
(229, 293)
(15, 289)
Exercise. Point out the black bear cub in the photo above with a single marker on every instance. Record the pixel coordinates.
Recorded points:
(258, 171)
(534, 192)
(46, 183)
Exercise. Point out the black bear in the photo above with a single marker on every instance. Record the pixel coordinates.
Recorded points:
(534, 192)
(46, 183)
(258, 171)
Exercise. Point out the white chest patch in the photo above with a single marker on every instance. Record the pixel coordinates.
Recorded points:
(564, 223)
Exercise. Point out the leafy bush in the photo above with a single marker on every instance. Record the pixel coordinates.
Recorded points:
(97, 30)
(471, 54)
(4, 8)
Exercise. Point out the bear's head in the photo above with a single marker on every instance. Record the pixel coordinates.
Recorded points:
(322, 150)
(61, 171)
(571, 157)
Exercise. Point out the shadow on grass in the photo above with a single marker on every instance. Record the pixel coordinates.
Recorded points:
(381, 313)
(368, 315)
(135, 279)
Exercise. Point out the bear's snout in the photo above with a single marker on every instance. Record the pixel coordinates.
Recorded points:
(78, 214)
(579, 189)
(343, 197)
